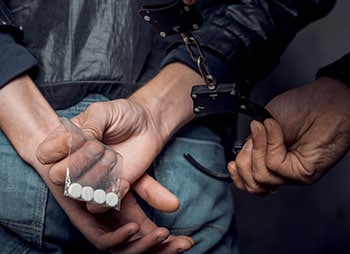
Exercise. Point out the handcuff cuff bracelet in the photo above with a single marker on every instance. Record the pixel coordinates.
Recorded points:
(210, 98)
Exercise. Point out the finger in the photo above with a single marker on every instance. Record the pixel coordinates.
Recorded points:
(106, 230)
(92, 121)
(124, 187)
(287, 165)
(244, 169)
(237, 180)
(95, 208)
(53, 149)
(261, 172)
(100, 174)
(155, 194)
(279, 160)
(290, 165)
(143, 244)
(277, 156)
(79, 161)
(62, 140)
(106, 241)
(175, 244)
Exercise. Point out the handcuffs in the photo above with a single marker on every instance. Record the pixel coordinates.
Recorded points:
(209, 99)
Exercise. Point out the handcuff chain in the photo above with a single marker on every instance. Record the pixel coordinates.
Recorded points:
(201, 60)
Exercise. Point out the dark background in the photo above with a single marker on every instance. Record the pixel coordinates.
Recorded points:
(302, 219)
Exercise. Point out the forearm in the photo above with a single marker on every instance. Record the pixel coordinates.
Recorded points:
(25, 116)
(26, 119)
(168, 97)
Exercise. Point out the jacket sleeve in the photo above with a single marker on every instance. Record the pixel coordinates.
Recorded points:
(14, 58)
(338, 70)
(249, 36)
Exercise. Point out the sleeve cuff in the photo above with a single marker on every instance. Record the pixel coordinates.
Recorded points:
(15, 59)
(338, 70)
(218, 68)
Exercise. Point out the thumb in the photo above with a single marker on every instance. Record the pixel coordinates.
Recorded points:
(57, 144)
(155, 194)
(92, 123)
(276, 158)
(236, 178)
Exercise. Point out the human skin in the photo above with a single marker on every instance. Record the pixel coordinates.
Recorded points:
(309, 134)
(27, 121)
(190, 2)
(137, 128)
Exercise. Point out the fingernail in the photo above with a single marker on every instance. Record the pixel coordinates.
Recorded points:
(248, 145)
(254, 128)
(268, 125)
(131, 233)
(109, 160)
(160, 239)
(93, 150)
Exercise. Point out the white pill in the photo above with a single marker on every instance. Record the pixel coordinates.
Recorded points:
(99, 196)
(74, 190)
(112, 199)
(87, 194)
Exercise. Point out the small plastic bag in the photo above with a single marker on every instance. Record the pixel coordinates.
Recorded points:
(97, 180)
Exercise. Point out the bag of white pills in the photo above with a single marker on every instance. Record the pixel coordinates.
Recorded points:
(92, 178)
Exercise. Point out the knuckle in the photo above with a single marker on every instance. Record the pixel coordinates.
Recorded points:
(96, 106)
(259, 176)
(57, 175)
(240, 164)
(272, 163)
(307, 176)
(255, 189)
(95, 146)
(262, 177)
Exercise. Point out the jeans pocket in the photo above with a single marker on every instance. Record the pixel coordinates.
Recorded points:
(22, 197)
(206, 206)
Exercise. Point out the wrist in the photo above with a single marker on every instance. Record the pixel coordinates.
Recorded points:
(339, 93)
(167, 98)
(25, 116)
(334, 92)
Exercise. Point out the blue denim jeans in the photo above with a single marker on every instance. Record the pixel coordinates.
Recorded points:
(32, 222)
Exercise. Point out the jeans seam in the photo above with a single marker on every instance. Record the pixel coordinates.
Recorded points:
(24, 227)
(44, 195)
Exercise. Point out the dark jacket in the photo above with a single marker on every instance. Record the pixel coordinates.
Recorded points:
(106, 47)
(338, 70)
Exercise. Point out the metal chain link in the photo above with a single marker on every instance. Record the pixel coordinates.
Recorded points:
(201, 61)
